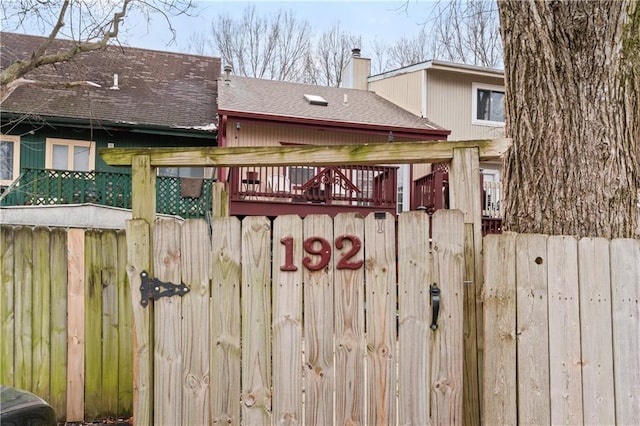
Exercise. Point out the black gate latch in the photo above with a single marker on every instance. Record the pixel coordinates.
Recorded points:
(434, 291)
(155, 289)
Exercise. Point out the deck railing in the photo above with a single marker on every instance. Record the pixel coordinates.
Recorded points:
(51, 187)
(431, 192)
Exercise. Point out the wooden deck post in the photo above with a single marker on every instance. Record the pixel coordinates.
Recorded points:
(220, 200)
(465, 195)
(139, 255)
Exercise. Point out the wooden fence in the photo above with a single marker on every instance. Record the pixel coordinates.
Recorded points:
(307, 321)
(561, 330)
(66, 319)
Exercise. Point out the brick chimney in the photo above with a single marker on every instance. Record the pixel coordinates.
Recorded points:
(356, 71)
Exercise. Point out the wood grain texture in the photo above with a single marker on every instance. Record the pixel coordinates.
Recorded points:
(94, 408)
(533, 329)
(23, 308)
(58, 265)
(167, 344)
(225, 320)
(110, 318)
(380, 275)
(139, 260)
(126, 341)
(625, 294)
(7, 307)
(447, 362)
(196, 386)
(41, 319)
(318, 330)
(596, 336)
(287, 324)
(75, 324)
(564, 331)
(256, 320)
(397, 153)
(499, 380)
(349, 320)
(414, 271)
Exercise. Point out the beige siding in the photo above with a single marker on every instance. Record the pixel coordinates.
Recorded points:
(403, 90)
(253, 134)
(449, 103)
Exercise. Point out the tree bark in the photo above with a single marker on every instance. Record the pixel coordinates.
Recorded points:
(572, 105)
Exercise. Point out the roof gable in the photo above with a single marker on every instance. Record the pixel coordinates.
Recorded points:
(287, 101)
(154, 89)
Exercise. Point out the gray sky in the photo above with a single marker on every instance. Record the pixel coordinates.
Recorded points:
(386, 20)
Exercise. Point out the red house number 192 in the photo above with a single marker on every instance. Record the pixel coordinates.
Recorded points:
(324, 251)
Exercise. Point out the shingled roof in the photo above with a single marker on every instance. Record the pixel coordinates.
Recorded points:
(154, 89)
(284, 101)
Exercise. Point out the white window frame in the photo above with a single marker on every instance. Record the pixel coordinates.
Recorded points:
(71, 143)
(474, 104)
(16, 158)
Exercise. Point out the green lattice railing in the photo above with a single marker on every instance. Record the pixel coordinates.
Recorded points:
(50, 187)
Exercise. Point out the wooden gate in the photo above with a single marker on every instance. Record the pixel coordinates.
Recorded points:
(309, 321)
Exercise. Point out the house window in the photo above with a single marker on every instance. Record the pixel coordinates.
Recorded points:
(67, 154)
(194, 172)
(488, 105)
(300, 175)
(9, 159)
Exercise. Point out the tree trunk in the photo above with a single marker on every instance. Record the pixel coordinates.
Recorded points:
(572, 75)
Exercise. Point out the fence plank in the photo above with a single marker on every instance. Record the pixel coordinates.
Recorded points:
(225, 321)
(75, 324)
(414, 316)
(196, 247)
(533, 329)
(349, 325)
(380, 270)
(138, 259)
(94, 408)
(110, 325)
(23, 296)
(499, 379)
(287, 323)
(256, 320)
(41, 303)
(596, 331)
(318, 329)
(168, 368)
(126, 341)
(625, 293)
(7, 307)
(564, 331)
(448, 355)
(58, 262)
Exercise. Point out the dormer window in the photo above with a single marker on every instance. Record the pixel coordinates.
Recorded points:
(488, 105)
(316, 100)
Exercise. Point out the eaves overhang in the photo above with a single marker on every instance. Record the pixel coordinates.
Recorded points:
(341, 126)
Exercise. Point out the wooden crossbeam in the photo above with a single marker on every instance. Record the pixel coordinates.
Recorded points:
(310, 155)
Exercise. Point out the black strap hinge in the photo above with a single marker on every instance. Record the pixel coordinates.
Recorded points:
(155, 289)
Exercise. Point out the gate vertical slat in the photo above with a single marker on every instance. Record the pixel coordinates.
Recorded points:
(349, 326)
(225, 321)
(168, 361)
(499, 398)
(195, 325)
(380, 275)
(126, 347)
(448, 346)
(596, 334)
(256, 321)
(287, 323)
(625, 281)
(318, 329)
(532, 327)
(564, 331)
(414, 357)
(75, 325)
